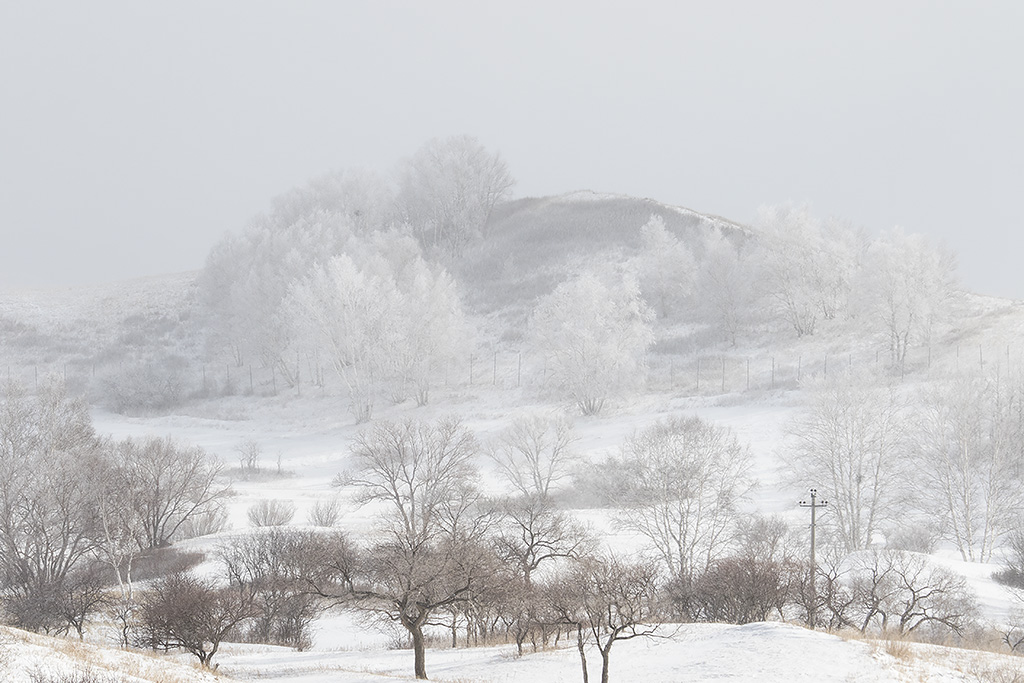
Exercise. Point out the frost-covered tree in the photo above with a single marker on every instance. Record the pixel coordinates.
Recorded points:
(350, 315)
(806, 265)
(906, 287)
(390, 320)
(726, 287)
(849, 444)
(665, 268)
(247, 276)
(684, 478)
(595, 337)
(969, 462)
(448, 190)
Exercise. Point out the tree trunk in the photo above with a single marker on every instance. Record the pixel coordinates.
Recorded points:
(606, 652)
(583, 654)
(419, 651)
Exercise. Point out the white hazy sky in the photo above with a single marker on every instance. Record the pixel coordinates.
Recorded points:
(134, 134)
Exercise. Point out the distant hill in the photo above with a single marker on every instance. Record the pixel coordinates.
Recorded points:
(532, 243)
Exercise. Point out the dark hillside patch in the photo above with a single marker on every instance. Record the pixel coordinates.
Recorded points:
(532, 244)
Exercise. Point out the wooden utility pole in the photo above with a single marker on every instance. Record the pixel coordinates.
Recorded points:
(813, 505)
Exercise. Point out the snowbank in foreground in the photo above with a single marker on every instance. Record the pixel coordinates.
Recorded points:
(28, 657)
(762, 653)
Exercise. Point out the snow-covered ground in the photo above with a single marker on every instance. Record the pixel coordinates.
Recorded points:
(307, 438)
(310, 438)
(762, 653)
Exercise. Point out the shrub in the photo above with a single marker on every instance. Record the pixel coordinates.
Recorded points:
(324, 513)
(271, 513)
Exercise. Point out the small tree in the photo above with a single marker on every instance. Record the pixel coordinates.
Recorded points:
(273, 567)
(904, 592)
(185, 612)
(607, 600)
(271, 513)
(969, 461)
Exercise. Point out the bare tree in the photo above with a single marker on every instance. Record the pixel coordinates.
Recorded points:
(183, 611)
(249, 453)
(607, 600)
(534, 453)
(273, 567)
(170, 484)
(531, 532)
(849, 443)
(50, 470)
(271, 512)
(969, 461)
(756, 580)
(686, 477)
(904, 592)
(431, 554)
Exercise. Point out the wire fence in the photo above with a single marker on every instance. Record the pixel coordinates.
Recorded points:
(146, 384)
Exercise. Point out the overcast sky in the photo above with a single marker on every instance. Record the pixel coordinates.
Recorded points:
(134, 134)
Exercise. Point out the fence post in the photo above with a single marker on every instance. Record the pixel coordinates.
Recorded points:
(799, 367)
(723, 374)
(698, 374)
(748, 373)
(519, 370)
(494, 369)
(470, 369)
(250, 379)
(773, 373)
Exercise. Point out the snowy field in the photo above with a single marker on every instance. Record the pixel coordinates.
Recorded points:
(308, 439)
